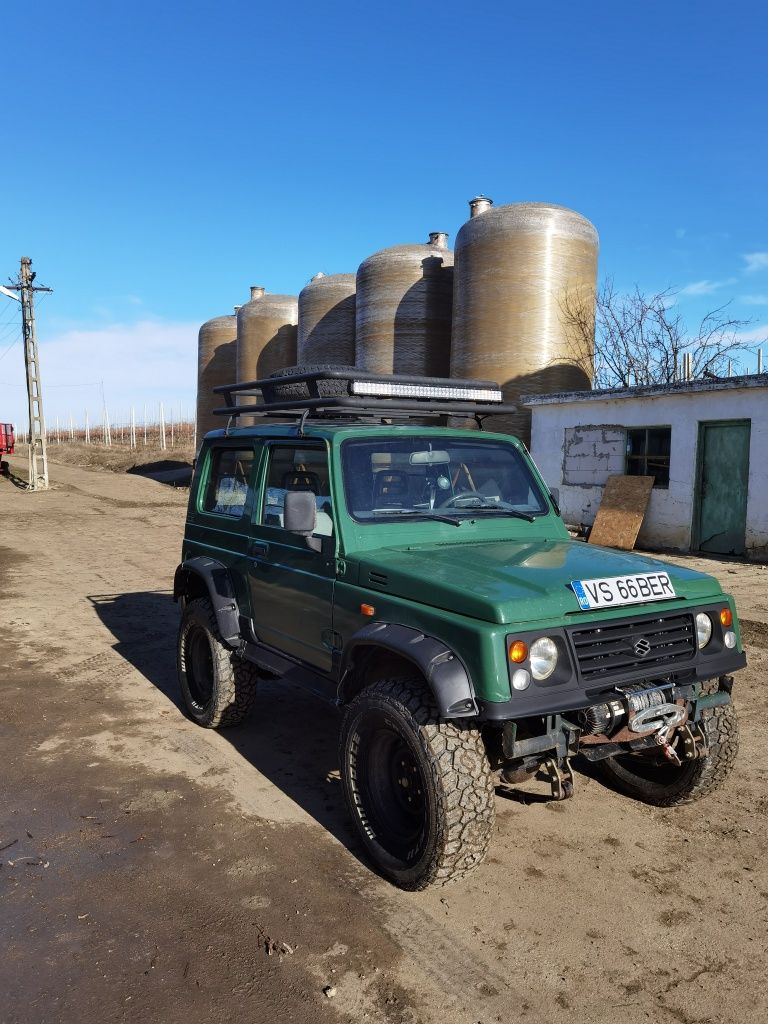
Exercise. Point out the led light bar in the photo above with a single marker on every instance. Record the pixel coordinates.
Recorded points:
(385, 389)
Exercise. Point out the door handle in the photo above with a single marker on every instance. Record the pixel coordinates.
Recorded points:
(259, 549)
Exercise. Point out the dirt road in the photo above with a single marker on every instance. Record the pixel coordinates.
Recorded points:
(154, 871)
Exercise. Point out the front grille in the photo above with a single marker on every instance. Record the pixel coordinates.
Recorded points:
(615, 648)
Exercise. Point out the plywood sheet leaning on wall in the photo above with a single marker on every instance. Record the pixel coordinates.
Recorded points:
(621, 511)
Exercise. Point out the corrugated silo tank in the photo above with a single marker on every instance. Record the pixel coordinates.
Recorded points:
(522, 273)
(403, 317)
(327, 320)
(266, 337)
(216, 364)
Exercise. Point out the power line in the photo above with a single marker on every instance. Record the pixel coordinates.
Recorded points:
(14, 342)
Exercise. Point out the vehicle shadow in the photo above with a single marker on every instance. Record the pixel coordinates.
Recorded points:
(291, 736)
(17, 481)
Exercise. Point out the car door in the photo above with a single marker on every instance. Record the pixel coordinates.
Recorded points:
(291, 577)
(219, 519)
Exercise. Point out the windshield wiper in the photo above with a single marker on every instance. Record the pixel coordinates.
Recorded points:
(425, 514)
(513, 512)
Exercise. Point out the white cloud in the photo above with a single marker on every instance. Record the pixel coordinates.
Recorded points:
(755, 261)
(149, 361)
(754, 300)
(754, 336)
(705, 287)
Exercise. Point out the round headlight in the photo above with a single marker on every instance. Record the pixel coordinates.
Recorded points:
(543, 657)
(703, 629)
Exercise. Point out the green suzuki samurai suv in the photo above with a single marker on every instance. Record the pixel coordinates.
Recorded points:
(421, 578)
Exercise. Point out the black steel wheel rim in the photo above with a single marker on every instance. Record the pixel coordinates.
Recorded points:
(392, 791)
(199, 666)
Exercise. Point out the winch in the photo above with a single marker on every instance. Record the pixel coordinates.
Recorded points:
(643, 710)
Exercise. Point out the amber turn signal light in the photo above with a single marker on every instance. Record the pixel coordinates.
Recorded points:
(518, 651)
(367, 609)
(726, 618)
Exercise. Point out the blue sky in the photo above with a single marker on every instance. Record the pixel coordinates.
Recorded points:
(172, 155)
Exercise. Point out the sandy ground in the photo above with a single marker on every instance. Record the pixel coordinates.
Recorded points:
(151, 870)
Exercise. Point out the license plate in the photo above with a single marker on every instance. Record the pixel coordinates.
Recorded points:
(615, 590)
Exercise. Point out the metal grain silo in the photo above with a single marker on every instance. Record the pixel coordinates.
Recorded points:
(266, 337)
(403, 316)
(216, 364)
(266, 334)
(521, 271)
(327, 320)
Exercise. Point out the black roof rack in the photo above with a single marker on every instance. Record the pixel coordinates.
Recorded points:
(345, 393)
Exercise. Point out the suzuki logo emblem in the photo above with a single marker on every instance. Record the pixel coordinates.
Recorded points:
(642, 647)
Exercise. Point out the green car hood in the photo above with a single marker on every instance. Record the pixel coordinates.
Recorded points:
(513, 581)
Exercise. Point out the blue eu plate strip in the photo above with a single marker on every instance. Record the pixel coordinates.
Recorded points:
(581, 597)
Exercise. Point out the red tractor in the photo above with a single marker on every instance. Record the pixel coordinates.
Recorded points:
(7, 443)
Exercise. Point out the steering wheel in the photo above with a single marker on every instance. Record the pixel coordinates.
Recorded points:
(464, 494)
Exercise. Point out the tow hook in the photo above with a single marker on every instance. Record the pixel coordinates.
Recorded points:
(692, 742)
(560, 777)
(668, 751)
(663, 720)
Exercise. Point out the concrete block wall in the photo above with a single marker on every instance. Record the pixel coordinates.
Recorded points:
(578, 444)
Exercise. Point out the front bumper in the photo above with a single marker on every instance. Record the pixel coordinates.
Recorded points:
(576, 684)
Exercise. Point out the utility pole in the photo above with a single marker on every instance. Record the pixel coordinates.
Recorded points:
(38, 452)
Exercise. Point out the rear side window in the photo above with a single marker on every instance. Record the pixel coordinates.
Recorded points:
(229, 482)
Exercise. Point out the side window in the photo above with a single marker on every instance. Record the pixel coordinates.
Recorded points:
(228, 482)
(298, 469)
(648, 451)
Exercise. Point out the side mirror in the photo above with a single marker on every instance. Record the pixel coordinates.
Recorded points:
(300, 513)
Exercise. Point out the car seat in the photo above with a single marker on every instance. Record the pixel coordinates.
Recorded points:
(301, 480)
(390, 488)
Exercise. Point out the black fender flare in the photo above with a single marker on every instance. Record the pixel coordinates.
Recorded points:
(445, 673)
(218, 583)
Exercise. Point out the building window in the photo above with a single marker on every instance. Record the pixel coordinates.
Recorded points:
(648, 453)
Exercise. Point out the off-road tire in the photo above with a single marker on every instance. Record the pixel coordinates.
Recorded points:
(231, 681)
(694, 779)
(327, 388)
(456, 815)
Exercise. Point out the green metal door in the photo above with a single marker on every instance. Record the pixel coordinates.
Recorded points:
(291, 582)
(723, 469)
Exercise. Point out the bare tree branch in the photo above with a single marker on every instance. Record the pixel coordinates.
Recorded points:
(638, 339)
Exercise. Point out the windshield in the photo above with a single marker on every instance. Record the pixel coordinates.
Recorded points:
(422, 477)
